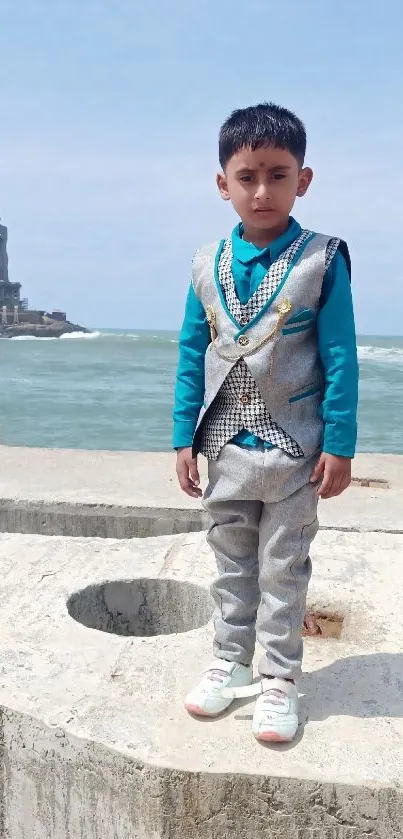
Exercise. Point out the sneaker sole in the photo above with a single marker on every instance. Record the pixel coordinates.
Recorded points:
(198, 712)
(272, 737)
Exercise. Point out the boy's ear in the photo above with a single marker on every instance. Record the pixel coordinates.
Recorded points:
(222, 186)
(305, 180)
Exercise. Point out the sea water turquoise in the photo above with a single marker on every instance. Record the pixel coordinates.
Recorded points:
(113, 390)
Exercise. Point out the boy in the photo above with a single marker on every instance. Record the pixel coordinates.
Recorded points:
(267, 390)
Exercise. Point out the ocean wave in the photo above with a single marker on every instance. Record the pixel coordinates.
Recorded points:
(383, 355)
(380, 355)
(131, 336)
(79, 336)
(145, 338)
(31, 338)
(91, 336)
(68, 336)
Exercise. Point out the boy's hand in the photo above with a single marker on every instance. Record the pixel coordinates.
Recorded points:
(336, 473)
(187, 472)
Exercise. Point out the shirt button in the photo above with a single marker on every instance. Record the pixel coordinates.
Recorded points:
(244, 320)
(243, 341)
(244, 399)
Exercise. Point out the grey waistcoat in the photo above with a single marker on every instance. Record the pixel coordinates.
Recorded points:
(262, 369)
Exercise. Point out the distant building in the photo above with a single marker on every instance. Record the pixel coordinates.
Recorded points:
(3, 255)
(58, 315)
(10, 293)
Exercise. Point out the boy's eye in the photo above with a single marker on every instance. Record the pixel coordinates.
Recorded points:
(278, 176)
(246, 178)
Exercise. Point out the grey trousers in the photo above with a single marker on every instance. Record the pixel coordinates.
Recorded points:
(264, 512)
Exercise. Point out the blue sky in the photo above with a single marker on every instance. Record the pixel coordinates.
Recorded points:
(108, 134)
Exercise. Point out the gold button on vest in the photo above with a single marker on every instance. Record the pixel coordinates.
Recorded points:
(243, 341)
(244, 399)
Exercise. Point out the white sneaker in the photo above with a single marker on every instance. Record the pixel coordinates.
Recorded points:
(206, 700)
(275, 718)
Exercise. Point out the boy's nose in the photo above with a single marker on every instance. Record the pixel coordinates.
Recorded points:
(262, 193)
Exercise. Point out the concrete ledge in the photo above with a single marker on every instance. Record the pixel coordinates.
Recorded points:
(100, 638)
(125, 494)
(95, 740)
(107, 522)
(95, 792)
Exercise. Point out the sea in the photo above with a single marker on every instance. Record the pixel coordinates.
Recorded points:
(113, 389)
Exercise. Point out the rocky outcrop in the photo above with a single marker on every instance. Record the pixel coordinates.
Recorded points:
(48, 329)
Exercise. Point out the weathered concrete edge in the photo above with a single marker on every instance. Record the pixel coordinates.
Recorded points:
(97, 520)
(115, 522)
(72, 786)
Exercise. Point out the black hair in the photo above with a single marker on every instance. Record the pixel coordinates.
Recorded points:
(261, 126)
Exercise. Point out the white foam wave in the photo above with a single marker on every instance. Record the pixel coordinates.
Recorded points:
(79, 336)
(66, 337)
(385, 355)
(91, 336)
(130, 336)
(31, 338)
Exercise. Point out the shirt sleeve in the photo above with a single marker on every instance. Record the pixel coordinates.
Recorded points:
(338, 352)
(189, 391)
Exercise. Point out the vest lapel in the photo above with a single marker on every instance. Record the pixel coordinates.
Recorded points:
(244, 313)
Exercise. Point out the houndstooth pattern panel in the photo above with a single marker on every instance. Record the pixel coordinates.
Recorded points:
(239, 406)
(244, 312)
(331, 249)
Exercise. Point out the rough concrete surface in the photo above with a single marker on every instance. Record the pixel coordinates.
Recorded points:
(124, 494)
(94, 738)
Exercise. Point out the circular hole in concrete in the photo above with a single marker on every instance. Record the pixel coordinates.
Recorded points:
(142, 607)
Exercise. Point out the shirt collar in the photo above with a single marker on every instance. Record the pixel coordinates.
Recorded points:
(246, 252)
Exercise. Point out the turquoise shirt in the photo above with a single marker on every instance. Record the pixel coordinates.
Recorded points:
(336, 344)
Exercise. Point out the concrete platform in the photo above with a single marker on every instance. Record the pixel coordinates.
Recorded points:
(124, 494)
(95, 742)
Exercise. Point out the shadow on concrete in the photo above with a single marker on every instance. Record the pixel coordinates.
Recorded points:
(357, 686)
(366, 686)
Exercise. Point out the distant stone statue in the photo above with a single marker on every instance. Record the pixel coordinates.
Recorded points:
(3, 255)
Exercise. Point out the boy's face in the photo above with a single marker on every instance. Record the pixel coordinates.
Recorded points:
(262, 186)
